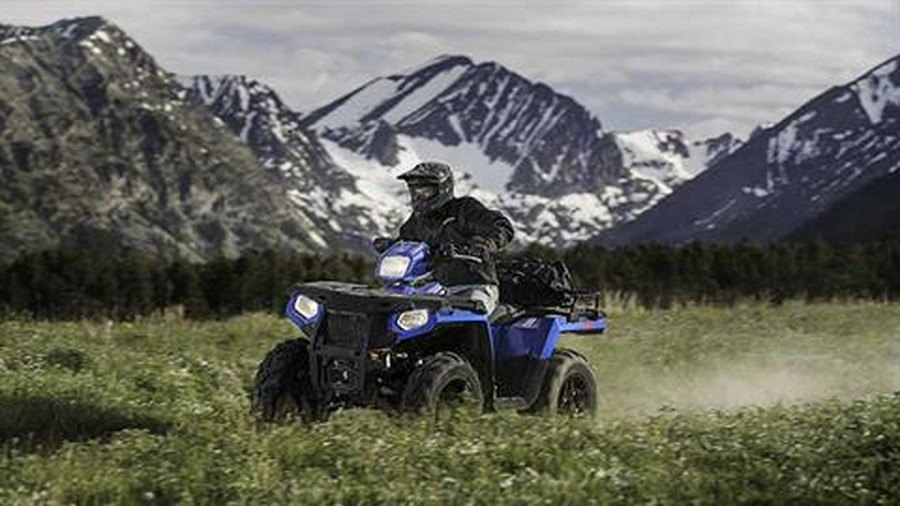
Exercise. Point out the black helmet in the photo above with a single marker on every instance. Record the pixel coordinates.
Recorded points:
(430, 185)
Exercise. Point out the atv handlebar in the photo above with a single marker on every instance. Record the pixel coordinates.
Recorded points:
(467, 258)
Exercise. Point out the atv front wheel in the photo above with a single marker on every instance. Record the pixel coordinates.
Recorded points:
(282, 385)
(570, 387)
(443, 383)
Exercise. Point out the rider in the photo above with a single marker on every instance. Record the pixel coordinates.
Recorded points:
(454, 228)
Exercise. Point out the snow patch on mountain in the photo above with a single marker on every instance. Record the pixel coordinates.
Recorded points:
(377, 188)
(395, 97)
(360, 103)
(421, 95)
(466, 157)
(878, 90)
(18, 38)
(668, 158)
(656, 156)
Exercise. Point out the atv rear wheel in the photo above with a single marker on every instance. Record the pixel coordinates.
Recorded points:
(282, 385)
(570, 387)
(443, 384)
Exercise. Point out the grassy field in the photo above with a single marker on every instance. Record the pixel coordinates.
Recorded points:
(794, 404)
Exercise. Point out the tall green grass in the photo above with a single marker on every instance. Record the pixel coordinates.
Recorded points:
(156, 412)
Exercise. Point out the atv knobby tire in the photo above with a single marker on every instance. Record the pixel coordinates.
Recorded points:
(570, 387)
(443, 382)
(282, 384)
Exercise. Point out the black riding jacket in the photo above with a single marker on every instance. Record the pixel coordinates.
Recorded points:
(467, 223)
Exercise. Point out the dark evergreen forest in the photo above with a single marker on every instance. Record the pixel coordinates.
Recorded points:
(72, 283)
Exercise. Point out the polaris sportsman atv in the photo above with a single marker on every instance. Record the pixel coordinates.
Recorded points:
(408, 346)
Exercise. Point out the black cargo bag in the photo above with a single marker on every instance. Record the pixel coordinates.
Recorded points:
(532, 282)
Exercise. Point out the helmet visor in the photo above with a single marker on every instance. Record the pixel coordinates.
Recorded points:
(420, 194)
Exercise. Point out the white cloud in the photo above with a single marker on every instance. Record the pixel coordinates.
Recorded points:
(750, 105)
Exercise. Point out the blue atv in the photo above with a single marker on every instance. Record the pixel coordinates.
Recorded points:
(408, 346)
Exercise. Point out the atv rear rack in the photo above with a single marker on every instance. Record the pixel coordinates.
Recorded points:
(586, 304)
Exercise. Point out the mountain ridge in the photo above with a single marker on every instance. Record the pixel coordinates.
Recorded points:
(787, 174)
(200, 166)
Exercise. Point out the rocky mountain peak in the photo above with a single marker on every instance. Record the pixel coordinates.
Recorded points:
(550, 141)
(88, 117)
(94, 51)
(434, 66)
(68, 29)
(83, 27)
(91, 33)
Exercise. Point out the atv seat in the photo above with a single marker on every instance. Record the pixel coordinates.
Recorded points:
(504, 313)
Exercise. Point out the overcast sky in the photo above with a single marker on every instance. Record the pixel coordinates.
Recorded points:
(707, 64)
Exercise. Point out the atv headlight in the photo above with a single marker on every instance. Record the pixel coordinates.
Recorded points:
(307, 307)
(394, 266)
(412, 319)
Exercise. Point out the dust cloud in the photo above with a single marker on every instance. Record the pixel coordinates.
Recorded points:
(757, 382)
(786, 382)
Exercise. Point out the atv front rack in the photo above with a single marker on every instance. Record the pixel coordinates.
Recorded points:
(366, 299)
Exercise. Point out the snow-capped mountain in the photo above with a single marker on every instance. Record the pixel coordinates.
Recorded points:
(789, 173)
(531, 130)
(344, 215)
(96, 141)
(536, 154)
(202, 166)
